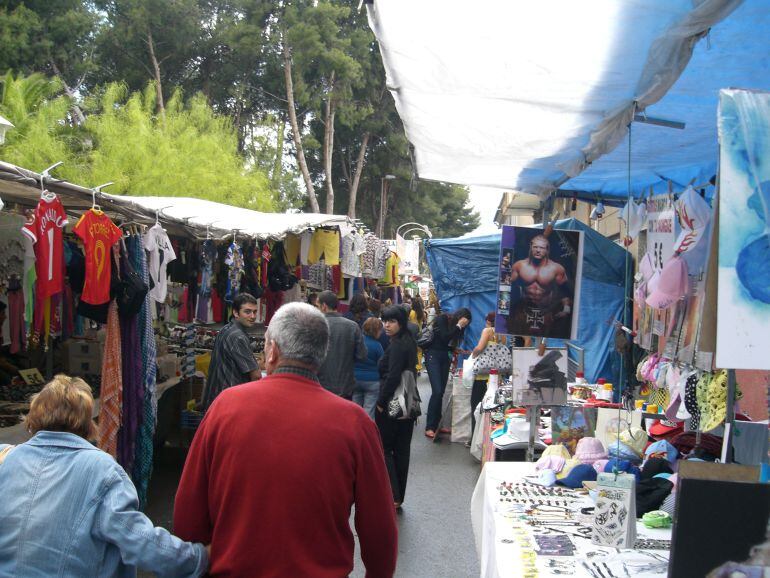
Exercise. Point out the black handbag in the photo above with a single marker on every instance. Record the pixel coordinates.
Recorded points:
(425, 337)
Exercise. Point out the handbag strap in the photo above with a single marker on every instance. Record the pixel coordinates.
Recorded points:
(4, 453)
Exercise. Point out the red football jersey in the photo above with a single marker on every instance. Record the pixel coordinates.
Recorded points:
(45, 229)
(99, 234)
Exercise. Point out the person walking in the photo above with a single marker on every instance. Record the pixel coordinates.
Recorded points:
(358, 309)
(346, 346)
(69, 509)
(448, 331)
(232, 359)
(481, 381)
(367, 388)
(396, 434)
(273, 493)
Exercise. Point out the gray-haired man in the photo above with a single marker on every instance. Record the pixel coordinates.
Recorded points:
(277, 465)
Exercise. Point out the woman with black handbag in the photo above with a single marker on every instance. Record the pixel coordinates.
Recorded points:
(396, 434)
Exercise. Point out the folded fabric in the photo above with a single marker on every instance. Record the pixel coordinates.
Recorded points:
(590, 449)
(578, 474)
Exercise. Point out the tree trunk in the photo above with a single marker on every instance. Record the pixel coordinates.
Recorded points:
(357, 176)
(295, 131)
(70, 93)
(329, 145)
(278, 163)
(156, 72)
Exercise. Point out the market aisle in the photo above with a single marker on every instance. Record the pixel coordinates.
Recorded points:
(435, 536)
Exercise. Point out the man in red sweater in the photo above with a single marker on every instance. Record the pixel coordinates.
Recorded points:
(277, 465)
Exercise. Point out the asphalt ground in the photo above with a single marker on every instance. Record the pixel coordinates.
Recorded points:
(435, 535)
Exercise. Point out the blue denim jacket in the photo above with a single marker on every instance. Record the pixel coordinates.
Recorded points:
(68, 509)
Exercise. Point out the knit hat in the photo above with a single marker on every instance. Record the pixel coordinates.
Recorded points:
(589, 450)
(599, 465)
(636, 438)
(557, 450)
(578, 474)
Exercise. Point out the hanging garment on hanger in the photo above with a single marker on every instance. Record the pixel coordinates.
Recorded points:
(235, 262)
(16, 316)
(99, 234)
(157, 243)
(44, 229)
(111, 396)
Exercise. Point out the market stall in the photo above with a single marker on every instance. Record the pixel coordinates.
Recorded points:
(130, 292)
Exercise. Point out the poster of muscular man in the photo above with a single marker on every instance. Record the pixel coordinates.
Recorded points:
(539, 283)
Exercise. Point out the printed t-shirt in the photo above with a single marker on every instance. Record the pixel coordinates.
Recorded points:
(161, 253)
(353, 246)
(99, 234)
(45, 230)
(325, 244)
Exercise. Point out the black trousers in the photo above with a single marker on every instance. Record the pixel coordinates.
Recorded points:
(477, 394)
(396, 436)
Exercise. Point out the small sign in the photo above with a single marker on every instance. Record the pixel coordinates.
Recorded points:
(32, 376)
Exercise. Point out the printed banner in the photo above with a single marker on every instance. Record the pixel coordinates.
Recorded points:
(539, 283)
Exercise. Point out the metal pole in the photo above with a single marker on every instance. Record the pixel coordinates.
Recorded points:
(727, 441)
(533, 413)
(381, 227)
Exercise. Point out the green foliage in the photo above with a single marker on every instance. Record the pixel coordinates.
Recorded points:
(189, 152)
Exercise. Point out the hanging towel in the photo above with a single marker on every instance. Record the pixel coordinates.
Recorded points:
(111, 408)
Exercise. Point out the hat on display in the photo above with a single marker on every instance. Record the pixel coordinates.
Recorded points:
(579, 474)
(555, 463)
(664, 429)
(544, 478)
(599, 465)
(654, 466)
(646, 278)
(636, 438)
(672, 284)
(650, 494)
(633, 215)
(558, 450)
(623, 466)
(691, 400)
(661, 449)
(517, 436)
(589, 449)
(621, 451)
(694, 216)
(709, 443)
(569, 465)
(716, 401)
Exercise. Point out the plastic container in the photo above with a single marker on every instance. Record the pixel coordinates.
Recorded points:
(580, 378)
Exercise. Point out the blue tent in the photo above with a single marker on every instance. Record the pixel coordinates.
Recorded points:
(465, 273)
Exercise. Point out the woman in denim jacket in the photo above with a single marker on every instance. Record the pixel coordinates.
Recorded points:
(68, 509)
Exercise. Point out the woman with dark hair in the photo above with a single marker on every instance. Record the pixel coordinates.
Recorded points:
(312, 299)
(448, 332)
(396, 434)
(417, 316)
(358, 310)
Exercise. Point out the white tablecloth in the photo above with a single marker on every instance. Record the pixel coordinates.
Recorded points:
(499, 555)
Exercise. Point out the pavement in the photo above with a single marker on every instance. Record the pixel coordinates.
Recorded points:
(435, 535)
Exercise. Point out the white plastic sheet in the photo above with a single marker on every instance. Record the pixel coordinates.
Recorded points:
(526, 94)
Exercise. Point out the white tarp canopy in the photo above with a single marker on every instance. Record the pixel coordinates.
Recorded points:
(222, 220)
(527, 94)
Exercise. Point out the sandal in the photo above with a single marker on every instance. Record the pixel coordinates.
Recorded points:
(429, 433)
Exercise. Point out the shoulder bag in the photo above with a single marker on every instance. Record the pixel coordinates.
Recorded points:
(495, 356)
(425, 337)
(405, 403)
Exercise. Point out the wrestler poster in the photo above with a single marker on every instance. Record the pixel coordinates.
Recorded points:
(539, 283)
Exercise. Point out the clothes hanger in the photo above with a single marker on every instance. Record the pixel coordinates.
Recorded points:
(94, 191)
(45, 194)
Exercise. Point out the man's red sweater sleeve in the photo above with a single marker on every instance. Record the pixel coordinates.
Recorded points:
(375, 516)
(191, 507)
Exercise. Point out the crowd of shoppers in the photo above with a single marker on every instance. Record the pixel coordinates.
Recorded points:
(75, 510)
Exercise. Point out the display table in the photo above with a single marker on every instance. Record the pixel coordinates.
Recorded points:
(502, 536)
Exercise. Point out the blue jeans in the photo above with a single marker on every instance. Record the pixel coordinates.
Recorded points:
(365, 394)
(437, 366)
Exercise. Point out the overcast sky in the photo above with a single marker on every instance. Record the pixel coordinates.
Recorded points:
(485, 200)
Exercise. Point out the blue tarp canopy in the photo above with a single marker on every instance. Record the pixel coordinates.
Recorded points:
(465, 273)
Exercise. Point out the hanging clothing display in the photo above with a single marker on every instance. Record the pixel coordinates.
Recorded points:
(111, 408)
(324, 245)
(99, 234)
(235, 272)
(44, 228)
(353, 248)
(158, 245)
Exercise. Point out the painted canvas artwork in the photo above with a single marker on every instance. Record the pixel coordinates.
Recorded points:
(743, 315)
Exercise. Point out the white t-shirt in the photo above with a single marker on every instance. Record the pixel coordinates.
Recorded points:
(161, 253)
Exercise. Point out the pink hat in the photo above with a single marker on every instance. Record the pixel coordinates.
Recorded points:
(647, 278)
(555, 463)
(694, 215)
(599, 465)
(672, 285)
(588, 450)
